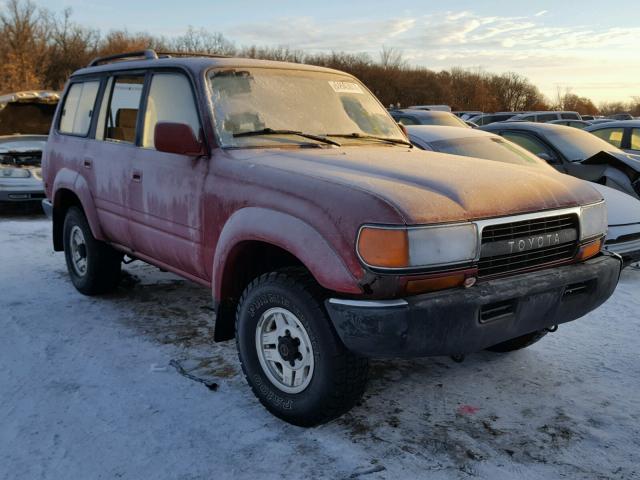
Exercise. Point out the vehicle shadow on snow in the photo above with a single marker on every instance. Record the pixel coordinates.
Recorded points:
(427, 409)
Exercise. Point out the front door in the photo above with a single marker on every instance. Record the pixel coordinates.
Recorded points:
(165, 188)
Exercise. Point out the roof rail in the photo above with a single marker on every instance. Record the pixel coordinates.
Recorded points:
(147, 54)
(190, 54)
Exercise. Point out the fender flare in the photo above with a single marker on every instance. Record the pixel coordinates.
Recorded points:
(67, 179)
(277, 228)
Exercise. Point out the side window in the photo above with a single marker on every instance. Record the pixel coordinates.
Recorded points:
(635, 139)
(528, 142)
(78, 108)
(569, 116)
(546, 117)
(122, 114)
(529, 118)
(407, 121)
(611, 135)
(170, 100)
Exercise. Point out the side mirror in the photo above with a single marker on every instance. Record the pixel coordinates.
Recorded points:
(547, 158)
(171, 137)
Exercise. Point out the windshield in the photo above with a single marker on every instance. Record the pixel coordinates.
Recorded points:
(269, 101)
(489, 148)
(577, 145)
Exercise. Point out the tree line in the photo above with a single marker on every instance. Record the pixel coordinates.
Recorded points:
(40, 49)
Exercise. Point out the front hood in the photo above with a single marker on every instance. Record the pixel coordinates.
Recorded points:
(429, 187)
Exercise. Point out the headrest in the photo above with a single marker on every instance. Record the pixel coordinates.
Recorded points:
(126, 117)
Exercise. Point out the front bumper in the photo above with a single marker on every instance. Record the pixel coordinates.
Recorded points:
(21, 193)
(460, 321)
(47, 207)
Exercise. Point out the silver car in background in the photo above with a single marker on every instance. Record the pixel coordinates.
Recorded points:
(25, 119)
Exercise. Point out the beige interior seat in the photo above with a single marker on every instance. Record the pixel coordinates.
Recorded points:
(125, 129)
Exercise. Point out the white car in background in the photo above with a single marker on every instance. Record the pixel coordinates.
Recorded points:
(25, 119)
(623, 236)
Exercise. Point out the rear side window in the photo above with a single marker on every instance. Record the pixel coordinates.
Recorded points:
(635, 139)
(170, 100)
(78, 108)
(611, 135)
(122, 114)
(546, 117)
(569, 116)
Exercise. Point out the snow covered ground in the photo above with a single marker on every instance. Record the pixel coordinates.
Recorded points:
(87, 391)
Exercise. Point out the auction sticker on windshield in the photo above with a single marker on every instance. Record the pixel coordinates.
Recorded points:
(345, 87)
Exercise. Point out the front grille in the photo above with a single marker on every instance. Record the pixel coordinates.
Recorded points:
(490, 265)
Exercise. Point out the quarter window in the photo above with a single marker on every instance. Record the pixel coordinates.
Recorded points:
(569, 116)
(635, 139)
(611, 135)
(170, 100)
(78, 108)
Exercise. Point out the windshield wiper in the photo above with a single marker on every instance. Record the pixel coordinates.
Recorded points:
(271, 131)
(395, 141)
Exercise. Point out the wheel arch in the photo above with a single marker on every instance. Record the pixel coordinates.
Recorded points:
(71, 189)
(257, 240)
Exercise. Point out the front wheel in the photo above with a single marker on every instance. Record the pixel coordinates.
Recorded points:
(290, 355)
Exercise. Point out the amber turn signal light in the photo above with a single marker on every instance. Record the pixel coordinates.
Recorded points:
(434, 284)
(589, 250)
(383, 247)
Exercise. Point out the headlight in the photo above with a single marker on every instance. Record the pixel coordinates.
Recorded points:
(432, 246)
(14, 173)
(593, 221)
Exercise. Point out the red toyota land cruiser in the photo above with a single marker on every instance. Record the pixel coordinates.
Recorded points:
(324, 236)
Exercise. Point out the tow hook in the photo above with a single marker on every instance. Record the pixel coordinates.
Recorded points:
(552, 329)
(458, 358)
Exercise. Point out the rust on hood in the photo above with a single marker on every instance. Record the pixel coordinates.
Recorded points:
(429, 187)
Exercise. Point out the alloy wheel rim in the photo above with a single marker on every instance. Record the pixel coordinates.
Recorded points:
(78, 247)
(284, 350)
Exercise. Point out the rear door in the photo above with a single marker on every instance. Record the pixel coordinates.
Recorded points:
(112, 152)
(165, 188)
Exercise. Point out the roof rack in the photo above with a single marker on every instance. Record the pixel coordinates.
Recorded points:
(147, 54)
(190, 54)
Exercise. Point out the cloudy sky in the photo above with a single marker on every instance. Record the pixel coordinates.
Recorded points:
(588, 46)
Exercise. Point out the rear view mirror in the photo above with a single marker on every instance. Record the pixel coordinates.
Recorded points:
(177, 138)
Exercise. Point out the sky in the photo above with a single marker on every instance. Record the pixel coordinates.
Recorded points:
(589, 47)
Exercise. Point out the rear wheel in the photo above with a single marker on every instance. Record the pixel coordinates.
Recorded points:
(94, 266)
(518, 343)
(290, 355)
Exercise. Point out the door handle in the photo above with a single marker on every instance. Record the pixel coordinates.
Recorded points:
(136, 176)
(87, 163)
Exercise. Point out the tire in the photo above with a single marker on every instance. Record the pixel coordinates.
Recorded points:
(335, 380)
(102, 264)
(518, 343)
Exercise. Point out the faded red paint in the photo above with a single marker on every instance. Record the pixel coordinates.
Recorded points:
(189, 214)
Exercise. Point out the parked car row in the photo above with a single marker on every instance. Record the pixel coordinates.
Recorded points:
(623, 236)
